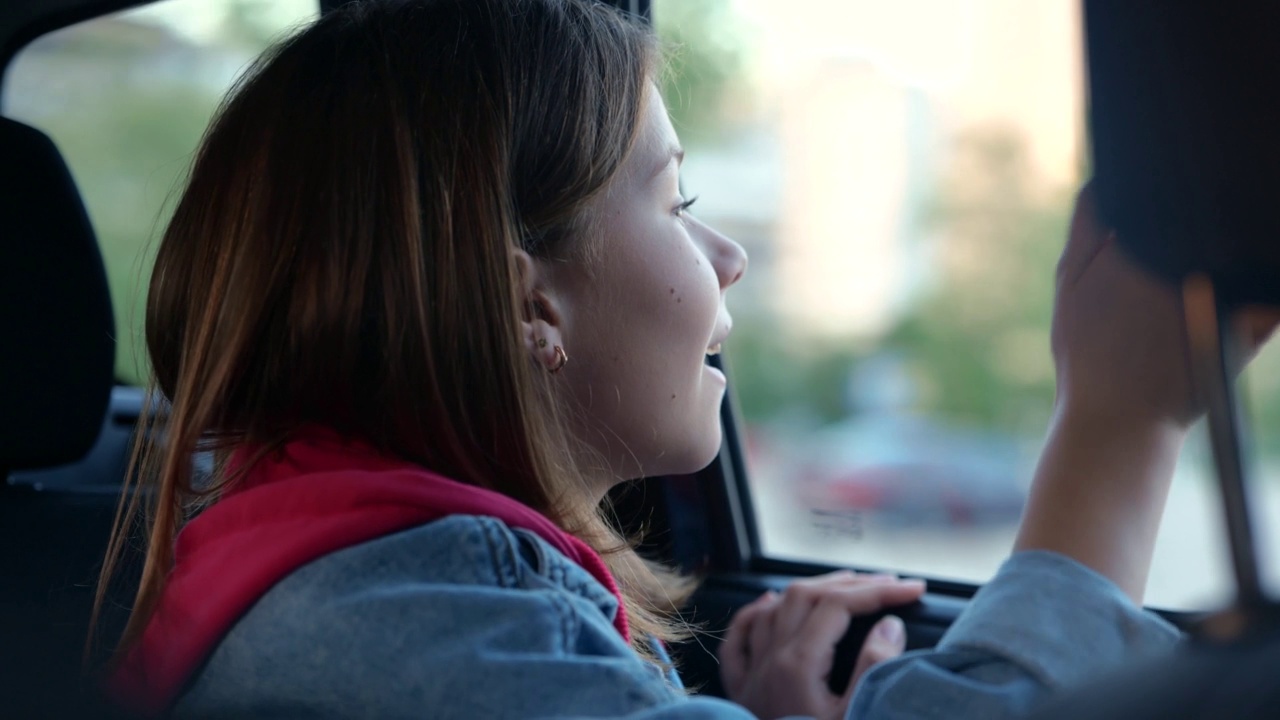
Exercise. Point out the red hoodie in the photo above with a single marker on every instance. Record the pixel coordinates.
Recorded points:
(319, 495)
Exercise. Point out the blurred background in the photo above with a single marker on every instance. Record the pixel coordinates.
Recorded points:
(901, 175)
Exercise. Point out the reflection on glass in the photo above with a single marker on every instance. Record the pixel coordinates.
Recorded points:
(901, 174)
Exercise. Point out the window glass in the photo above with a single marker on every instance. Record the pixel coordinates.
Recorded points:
(901, 174)
(126, 98)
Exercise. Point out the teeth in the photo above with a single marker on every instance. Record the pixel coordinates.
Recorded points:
(714, 349)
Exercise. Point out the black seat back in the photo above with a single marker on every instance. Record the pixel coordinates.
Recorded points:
(55, 311)
(56, 373)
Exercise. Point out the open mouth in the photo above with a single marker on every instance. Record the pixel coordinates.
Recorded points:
(714, 349)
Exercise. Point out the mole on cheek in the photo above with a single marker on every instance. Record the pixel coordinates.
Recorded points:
(673, 397)
(679, 299)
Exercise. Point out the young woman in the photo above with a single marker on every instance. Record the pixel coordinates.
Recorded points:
(431, 291)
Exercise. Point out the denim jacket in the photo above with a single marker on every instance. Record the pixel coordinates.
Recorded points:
(465, 617)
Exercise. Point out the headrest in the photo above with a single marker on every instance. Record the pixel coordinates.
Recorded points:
(56, 325)
(1184, 104)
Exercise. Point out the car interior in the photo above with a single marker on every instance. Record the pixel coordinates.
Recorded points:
(68, 418)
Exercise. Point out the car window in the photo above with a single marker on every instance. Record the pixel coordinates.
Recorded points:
(901, 175)
(126, 98)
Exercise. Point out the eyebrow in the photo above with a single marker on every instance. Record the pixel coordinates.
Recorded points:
(674, 152)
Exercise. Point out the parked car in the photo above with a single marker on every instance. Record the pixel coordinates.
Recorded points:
(913, 471)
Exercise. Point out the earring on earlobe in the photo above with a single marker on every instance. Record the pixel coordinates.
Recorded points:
(561, 359)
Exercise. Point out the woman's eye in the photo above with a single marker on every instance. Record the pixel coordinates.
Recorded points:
(682, 207)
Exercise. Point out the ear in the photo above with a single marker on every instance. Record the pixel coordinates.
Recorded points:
(541, 324)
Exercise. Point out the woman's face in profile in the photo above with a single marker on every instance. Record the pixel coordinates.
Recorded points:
(641, 316)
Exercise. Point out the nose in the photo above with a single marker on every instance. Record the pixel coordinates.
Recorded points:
(727, 257)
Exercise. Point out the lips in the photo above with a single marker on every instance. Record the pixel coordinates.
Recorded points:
(718, 339)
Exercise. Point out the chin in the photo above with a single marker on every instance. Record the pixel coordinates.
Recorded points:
(698, 456)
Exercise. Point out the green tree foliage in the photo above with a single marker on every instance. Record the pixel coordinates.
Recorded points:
(134, 156)
(778, 380)
(131, 159)
(976, 341)
(704, 54)
(247, 24)
(979, 338)
(127, 101)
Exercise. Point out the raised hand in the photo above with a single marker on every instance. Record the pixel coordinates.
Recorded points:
(1125, 403)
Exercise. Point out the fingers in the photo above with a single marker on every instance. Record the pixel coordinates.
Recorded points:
(733, 652)
(887, 640)
(828, 620)
(1085, 240)
(800, 597)
(791, 614)
(873, 597)
(813, 645)
(774, 672)
(805, 622)
(760, 632)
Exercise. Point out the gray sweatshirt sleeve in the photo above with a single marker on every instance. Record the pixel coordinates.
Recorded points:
(1043, 623)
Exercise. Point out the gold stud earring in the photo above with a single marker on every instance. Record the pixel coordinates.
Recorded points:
(542, 342)
(561, 358)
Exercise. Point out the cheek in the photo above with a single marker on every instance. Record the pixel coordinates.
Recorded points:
(642, 345)
(675, 393)
(693, 304)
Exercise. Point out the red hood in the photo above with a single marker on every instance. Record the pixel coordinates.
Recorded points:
(318, 495)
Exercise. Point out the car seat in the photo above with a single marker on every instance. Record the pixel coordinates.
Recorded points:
(58, 338)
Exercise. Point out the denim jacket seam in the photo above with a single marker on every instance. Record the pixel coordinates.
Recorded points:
(556, 572)
(503, 556)
(562, 573)
(569, 622)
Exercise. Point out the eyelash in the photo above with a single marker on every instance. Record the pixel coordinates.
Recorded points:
(682, 207)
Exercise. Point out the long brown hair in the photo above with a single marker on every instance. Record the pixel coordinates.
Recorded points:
(342, 255)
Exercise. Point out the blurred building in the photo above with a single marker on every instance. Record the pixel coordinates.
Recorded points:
(858, 106)
(856, 162)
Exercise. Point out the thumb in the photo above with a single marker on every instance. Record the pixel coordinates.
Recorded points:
(887, 640)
